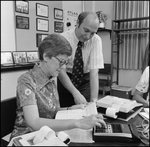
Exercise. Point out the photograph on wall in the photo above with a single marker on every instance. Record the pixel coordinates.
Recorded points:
(42, 25)
(39, 38)
(58, 14)
(19, 57)
(42, 10)
(22, 7)
(6, 58)
(32, 56)
(22, 22)
(58, 26)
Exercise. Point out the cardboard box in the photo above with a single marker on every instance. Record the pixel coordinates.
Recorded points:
(121, 91)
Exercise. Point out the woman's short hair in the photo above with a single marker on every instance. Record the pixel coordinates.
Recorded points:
(53, 45)
(83, 15)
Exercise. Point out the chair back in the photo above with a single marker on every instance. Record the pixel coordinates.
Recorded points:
(8, 115)
(106, 69)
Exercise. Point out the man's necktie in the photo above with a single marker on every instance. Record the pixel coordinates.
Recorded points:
(77, 71)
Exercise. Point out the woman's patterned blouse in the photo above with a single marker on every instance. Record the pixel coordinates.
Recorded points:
(34, 88)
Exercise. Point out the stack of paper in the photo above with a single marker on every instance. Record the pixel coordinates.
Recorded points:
(145, 114)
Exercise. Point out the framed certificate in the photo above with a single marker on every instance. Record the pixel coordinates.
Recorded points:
(42, 10)
(42, 24)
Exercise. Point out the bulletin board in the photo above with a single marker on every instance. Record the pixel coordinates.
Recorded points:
(70, 19)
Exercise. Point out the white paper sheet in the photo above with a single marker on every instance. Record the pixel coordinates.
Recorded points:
(77, 113)
(78, 135)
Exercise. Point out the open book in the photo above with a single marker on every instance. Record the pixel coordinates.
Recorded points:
(78, 135)
(77, 113)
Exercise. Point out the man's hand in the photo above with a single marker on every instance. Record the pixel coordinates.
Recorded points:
(79, 106)
(79, 98)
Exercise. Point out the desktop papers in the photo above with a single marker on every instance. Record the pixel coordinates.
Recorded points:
(78, 135)
(77, 113)
(145, 114)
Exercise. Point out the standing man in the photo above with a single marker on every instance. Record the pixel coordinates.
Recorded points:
(87, 86)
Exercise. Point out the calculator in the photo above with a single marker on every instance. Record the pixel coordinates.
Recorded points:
(111, 128)
(113, 132)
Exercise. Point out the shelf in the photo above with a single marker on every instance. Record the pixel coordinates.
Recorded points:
(131, 19)
(116, 28)
(133, 29)
(16, 68)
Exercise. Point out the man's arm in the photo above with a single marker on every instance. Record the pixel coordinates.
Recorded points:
(65, 80)
(94, 84)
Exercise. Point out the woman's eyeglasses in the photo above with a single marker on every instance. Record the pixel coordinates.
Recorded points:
(61, 62)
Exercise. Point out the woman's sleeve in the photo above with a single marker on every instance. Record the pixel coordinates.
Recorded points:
(26, 91)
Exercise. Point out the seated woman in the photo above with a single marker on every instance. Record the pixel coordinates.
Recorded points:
(37, 97)
(141, 88)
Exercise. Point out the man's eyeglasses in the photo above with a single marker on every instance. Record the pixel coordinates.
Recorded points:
(61, 62)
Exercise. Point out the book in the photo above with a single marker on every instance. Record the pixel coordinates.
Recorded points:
(118, 108)
(77, 113)
(124, 105)
(121, 115)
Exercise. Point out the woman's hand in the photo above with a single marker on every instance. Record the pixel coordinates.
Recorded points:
(90, 121)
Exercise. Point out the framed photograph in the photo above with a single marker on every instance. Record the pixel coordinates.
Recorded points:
(22, 22)
(42, 10)
(22, 7)
(32, 56)
(39, 38)
(6, 58)
(58, 14)
(42, 25)
(19, 57)
(58, 26)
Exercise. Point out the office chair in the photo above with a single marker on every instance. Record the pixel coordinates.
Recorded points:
(8, 115)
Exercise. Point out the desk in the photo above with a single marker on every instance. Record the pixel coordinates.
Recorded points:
(134, 121)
